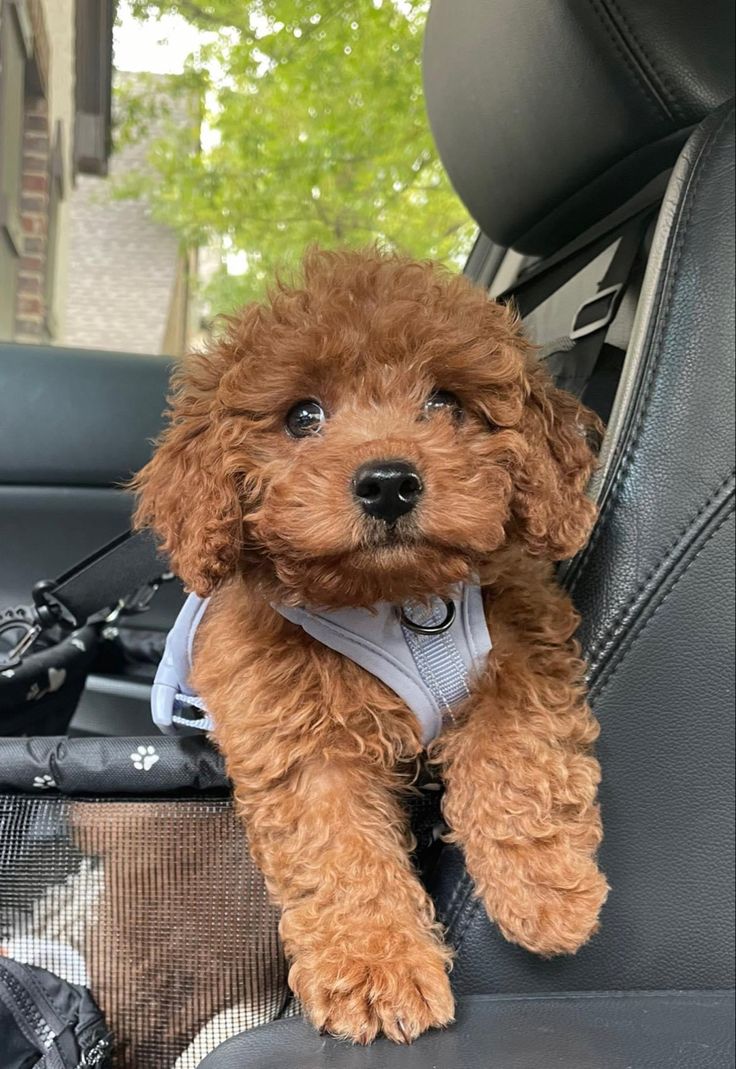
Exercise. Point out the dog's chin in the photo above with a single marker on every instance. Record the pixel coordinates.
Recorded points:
(386, 572)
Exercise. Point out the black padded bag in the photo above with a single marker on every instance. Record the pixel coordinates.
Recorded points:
(39, 694)
(47, 1022)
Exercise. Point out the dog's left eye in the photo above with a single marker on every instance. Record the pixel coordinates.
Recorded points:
(443, 401)
(305, 418)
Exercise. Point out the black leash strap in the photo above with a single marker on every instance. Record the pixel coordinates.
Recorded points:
(121, 577)
(130, 565)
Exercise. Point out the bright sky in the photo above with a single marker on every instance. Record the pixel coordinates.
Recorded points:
(160, 47)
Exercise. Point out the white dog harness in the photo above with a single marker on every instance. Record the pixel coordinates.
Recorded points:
(427, 654)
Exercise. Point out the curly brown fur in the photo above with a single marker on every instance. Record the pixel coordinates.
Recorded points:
(319, 751)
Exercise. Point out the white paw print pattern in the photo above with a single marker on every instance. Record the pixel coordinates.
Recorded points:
(43, 783)
(145, 757)
(56, 677)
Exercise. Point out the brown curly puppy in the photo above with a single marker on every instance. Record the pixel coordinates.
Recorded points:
(400, 360)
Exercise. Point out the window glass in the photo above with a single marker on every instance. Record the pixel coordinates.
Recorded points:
(168, 159)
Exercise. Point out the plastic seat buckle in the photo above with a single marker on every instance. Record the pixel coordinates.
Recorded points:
(582, 325)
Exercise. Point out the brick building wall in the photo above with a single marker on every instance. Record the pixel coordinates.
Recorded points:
(78, 266)
(38, 121)
(31, 322)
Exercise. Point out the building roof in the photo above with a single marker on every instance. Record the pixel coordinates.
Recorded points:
(124, 268)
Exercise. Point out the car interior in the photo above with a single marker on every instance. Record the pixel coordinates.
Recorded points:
(593, 144)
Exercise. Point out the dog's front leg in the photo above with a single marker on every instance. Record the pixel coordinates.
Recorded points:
(521, 801)
(358, 928)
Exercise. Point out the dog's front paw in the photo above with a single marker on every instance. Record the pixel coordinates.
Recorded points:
(356, 998)
(550, 920)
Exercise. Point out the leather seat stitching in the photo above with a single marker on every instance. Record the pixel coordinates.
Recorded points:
(459, 899)
(709, 995)
(609, 673)
(647, 61)
(656, 106)
(467, 919)
(446, 914)
(593, 656)
(660, 327)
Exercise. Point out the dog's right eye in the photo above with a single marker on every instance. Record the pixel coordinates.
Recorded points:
(305, 418)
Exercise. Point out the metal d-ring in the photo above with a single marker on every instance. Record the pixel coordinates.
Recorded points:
(431, 629)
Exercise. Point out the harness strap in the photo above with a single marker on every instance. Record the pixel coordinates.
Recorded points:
(429, 665)
(171, 692)
(438, 660)
(426, 654)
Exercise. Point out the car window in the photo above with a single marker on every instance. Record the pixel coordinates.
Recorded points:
(162, 162)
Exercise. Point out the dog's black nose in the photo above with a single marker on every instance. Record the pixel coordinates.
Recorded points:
(387, 489)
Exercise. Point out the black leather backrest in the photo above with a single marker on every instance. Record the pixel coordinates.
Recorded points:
(76, 417)
(74, 424)
(549, 115)
(655, 587)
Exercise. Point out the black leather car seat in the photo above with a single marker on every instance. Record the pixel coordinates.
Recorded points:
(653, 583)
(655, 589)
(548, 117)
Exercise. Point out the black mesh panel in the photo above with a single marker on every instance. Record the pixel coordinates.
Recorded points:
(155, 905)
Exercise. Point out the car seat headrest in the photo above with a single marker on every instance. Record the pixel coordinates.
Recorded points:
(548, 116)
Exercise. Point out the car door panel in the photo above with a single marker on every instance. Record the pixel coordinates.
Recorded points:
(74, 426)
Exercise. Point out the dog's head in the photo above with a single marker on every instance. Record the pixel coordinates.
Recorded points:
(377, 432)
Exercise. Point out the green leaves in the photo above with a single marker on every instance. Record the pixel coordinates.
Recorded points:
(315, 131)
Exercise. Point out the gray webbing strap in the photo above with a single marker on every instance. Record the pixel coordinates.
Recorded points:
(431, 672)
(438, 659)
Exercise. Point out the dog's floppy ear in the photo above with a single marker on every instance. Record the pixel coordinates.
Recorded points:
(552, 513)
(185, 492)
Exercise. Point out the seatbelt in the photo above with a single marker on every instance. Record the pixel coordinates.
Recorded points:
(122, 575)
(593, 318)
(544, 279)
(572, 360)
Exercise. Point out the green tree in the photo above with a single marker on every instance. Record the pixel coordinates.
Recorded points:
(316, 132)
